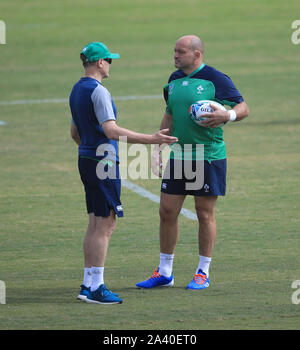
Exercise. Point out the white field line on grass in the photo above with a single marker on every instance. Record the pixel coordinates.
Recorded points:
(154, 198)
(125, 183)
(65, 100)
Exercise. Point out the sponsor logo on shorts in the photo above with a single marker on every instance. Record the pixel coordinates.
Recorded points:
(119, 208)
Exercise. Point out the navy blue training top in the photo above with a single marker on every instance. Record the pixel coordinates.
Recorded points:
(91, 105)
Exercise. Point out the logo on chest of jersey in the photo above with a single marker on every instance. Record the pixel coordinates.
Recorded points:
(199, 89)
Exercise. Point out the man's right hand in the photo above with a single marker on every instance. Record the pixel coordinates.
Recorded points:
(161, 137)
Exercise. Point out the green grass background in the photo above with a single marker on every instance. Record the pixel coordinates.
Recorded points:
(42, 209)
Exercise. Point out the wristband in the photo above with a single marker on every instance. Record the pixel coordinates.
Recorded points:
(232, 115)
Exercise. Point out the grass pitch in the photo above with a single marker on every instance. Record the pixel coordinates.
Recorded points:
(256, 257)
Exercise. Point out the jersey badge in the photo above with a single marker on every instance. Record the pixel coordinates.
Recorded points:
(206, 188)
(200, 89)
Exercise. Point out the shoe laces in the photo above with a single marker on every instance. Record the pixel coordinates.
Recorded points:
(105, 291)
(200, 278)
(155, 274)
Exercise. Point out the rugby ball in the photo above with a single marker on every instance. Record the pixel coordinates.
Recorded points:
(198, 110)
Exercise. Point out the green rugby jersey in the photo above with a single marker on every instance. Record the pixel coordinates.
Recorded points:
(205, 83)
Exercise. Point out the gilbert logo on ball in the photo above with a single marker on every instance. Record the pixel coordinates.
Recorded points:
(198, 110)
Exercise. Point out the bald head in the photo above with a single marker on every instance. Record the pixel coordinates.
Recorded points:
(193, 42)
(188, 53)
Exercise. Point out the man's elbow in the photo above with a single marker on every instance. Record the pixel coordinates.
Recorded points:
(110, 129)
(245, 110)
(110, 134)
(74, 135)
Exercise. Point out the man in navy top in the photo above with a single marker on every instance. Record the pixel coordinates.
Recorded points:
(96, 132)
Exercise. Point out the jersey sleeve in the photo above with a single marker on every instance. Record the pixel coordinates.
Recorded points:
(226, 92)
(102, 102)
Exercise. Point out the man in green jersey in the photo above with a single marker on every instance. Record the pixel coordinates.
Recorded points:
(194, 81)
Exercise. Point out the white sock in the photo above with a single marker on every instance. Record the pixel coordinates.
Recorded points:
(97, 277)
(87, 276)
(204, 263)
(166, 264)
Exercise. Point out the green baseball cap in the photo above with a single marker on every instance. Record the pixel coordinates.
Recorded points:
(96, 50)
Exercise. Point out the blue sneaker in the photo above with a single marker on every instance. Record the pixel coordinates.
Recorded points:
(103, 296)
(157, 280)
(200, 281)
(84, 292)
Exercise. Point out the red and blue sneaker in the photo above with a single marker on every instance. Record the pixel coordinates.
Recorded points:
(200, 281)
(156, 280)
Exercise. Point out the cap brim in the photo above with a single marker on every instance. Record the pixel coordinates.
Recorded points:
(114, 56)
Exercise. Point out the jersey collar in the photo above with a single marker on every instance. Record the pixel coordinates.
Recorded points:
(197, 70)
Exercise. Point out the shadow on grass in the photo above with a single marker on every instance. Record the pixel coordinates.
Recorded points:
(42, 295)
(67, 295)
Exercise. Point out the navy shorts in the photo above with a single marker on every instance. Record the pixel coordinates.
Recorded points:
(210, 182)
(101, 195)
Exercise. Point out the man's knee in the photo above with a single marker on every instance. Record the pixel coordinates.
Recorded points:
(205, 208)
(205, 214)
(167, 213)
(170, 206)
(105, 225)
